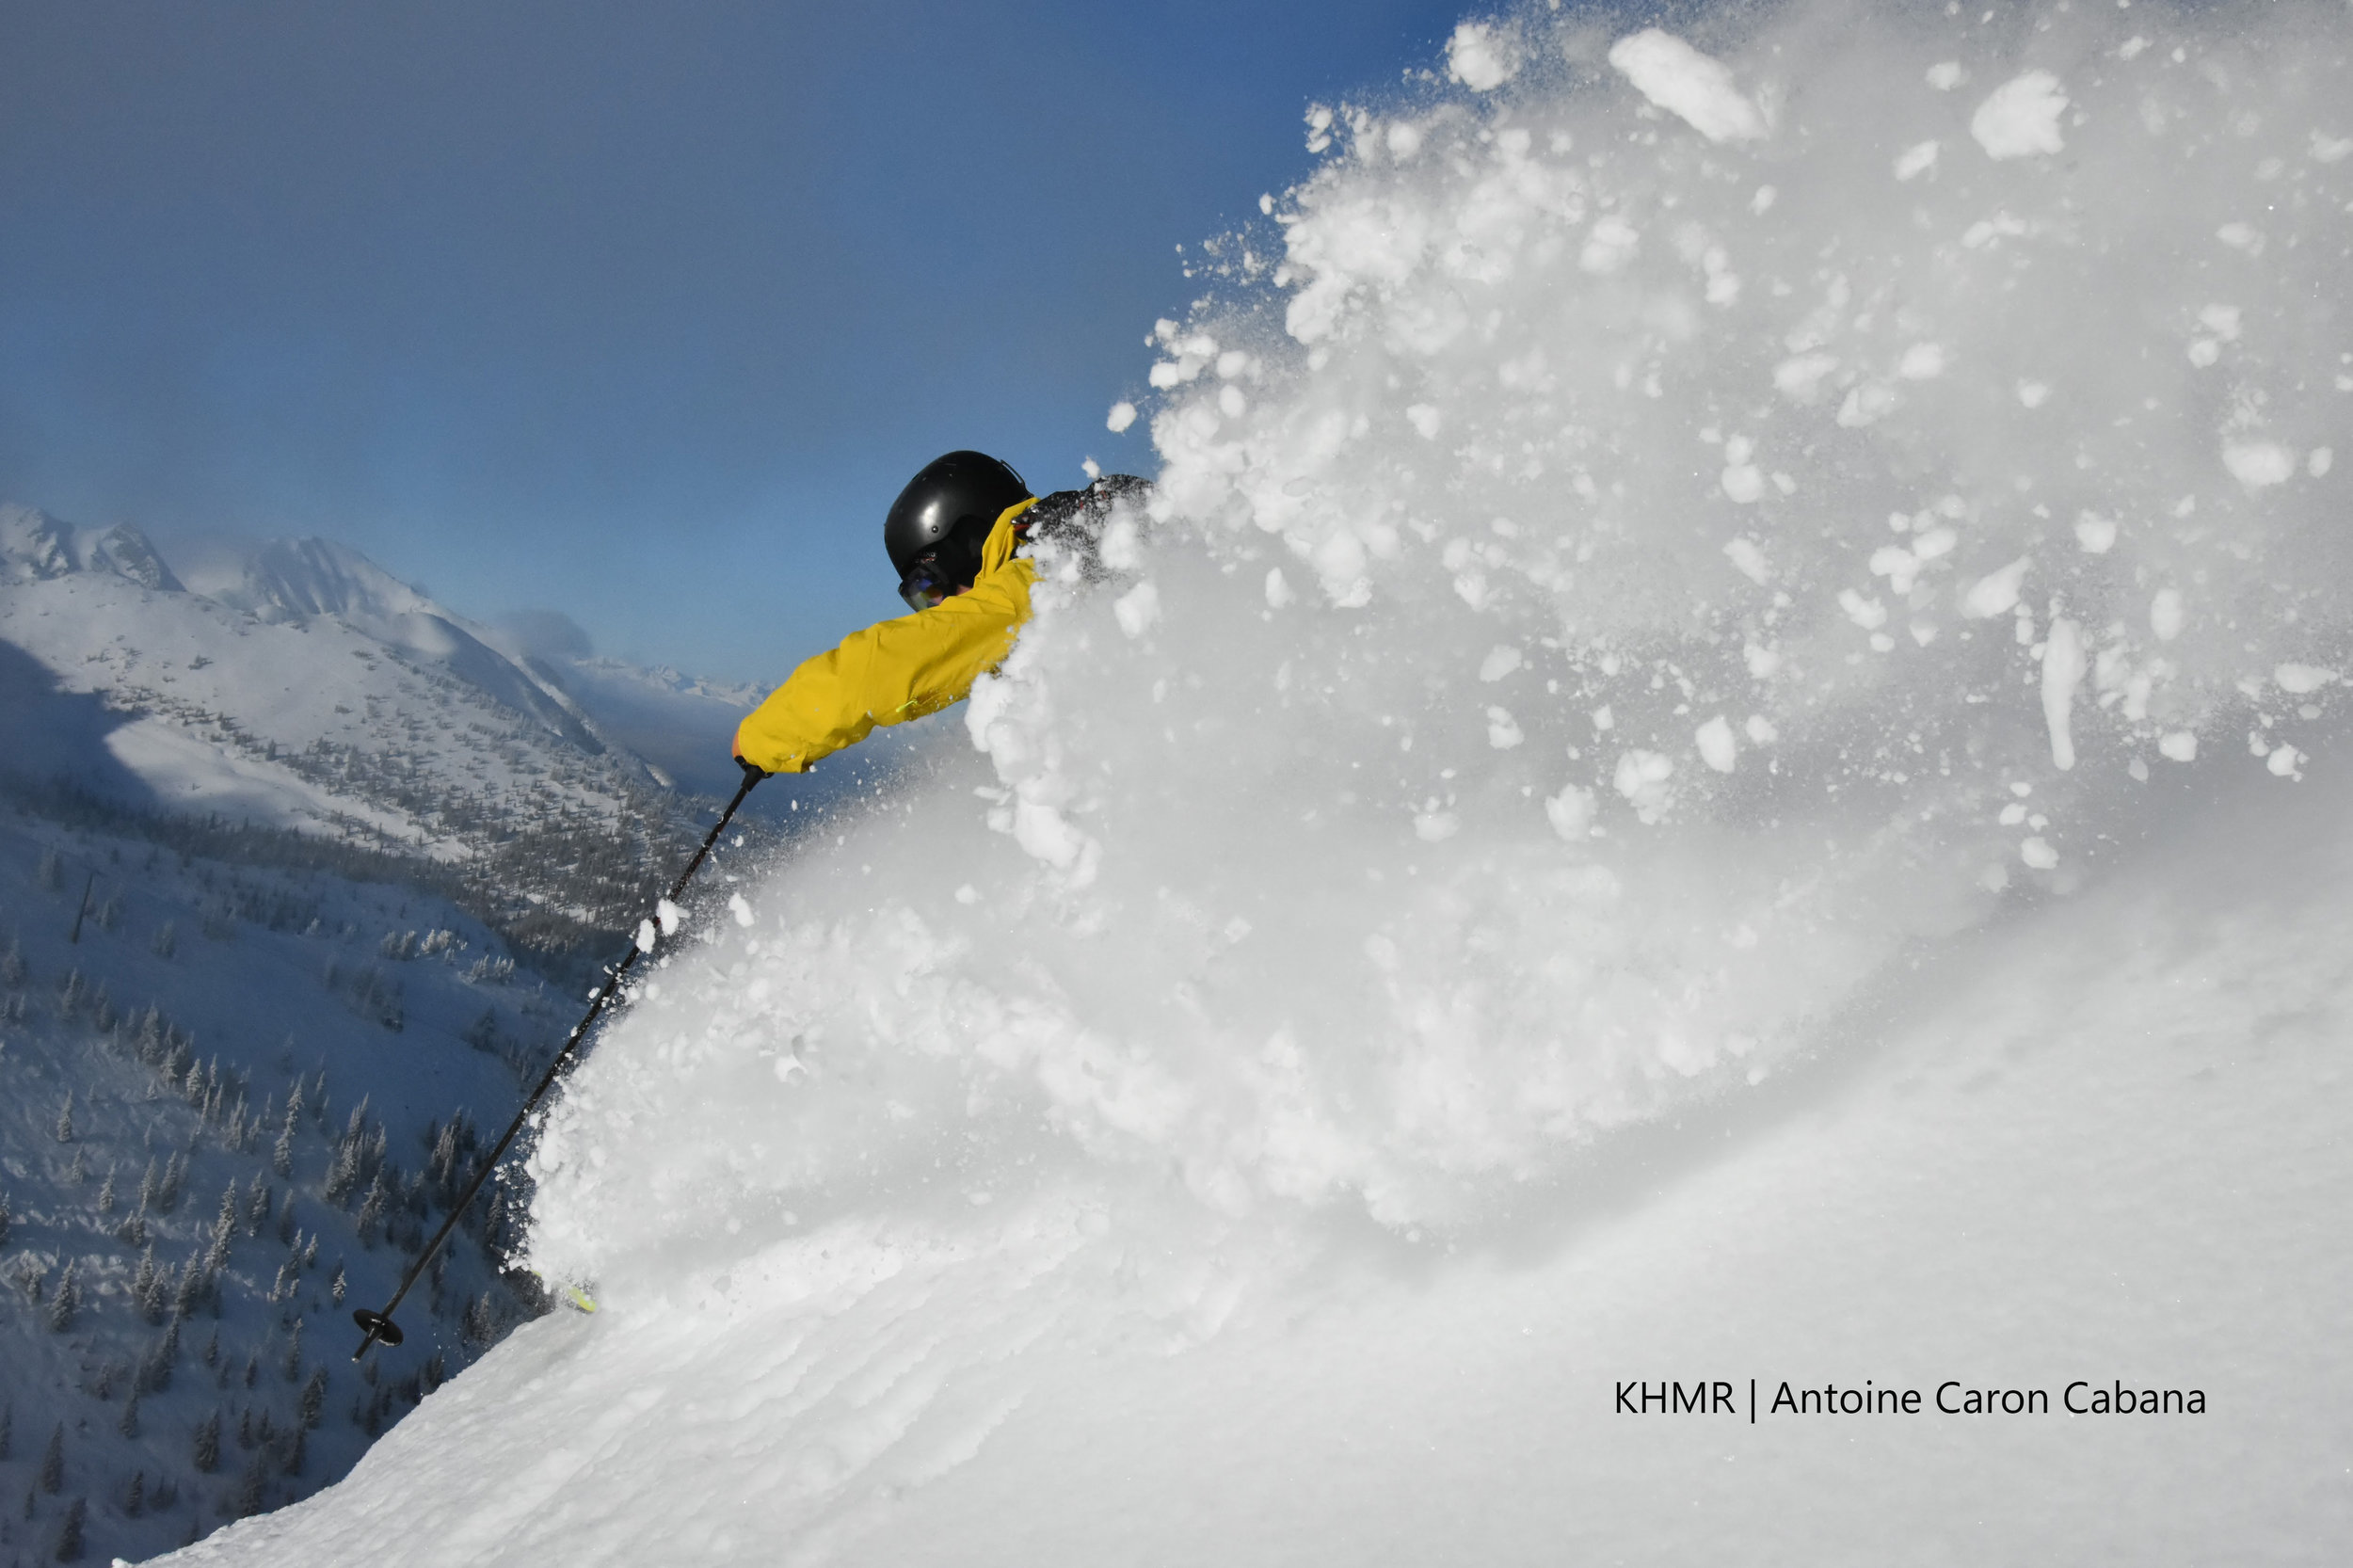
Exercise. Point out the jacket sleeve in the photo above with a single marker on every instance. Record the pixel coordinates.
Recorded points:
(901, 670)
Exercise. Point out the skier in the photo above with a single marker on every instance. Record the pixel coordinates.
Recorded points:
(957, 536)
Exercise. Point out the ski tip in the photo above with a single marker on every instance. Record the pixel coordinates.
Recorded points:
(574, 1296)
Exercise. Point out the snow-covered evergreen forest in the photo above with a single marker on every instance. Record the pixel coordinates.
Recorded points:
(299, 880)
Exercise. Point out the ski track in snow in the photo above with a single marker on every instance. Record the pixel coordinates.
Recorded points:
(1674, 787)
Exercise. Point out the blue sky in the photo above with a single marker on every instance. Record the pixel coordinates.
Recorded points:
(639, 313)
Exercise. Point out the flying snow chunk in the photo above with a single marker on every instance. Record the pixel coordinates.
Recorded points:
(1123, 414)
(2064, 666)
(1481, 55)
(1571, 812)
(2178, 746)
(2021, 117)
(2096, 533)
(1749, 560)
(1643, 778)
(1686, 82)
(1500, 661)
(2259, 465)
(2302, 680)
(1717, 747)
(1138, 610)
(2039, 854)
(1996, 593)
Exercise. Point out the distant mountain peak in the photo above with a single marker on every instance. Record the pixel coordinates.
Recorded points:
(34, 546)
(296, 579)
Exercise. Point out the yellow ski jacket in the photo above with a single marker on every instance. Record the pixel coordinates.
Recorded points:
(899, 670)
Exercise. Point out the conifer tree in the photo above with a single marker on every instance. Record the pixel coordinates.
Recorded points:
(106, 1193)
(207, 1453)
(53, 1462)
(135, 1501)
(129, 1424)
(250, 1486)
(281, 1156)
(312, 1401)
(7, 1221)
(191, 1290)
(372, 1212)
(344, 1174)
(259, 1201)
(70, 1531)
(8, 1431)
(63, 1131)
(155, 1366)
(67, 1301)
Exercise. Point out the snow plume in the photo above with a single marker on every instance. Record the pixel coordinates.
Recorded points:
(1654, 525)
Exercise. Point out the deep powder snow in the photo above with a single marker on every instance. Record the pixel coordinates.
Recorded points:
(1663, 540)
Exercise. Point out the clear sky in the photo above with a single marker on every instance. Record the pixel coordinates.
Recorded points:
(638, 313)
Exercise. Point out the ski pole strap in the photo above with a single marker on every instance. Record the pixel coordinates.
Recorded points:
(378, 1326)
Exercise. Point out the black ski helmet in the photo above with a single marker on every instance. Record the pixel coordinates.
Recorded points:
(949, 507)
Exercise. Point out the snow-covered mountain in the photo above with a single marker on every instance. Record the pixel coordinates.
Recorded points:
(309, 689)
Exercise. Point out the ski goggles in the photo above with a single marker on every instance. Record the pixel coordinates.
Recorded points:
(927, 583)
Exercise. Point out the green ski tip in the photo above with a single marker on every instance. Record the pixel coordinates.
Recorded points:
(578, 1300)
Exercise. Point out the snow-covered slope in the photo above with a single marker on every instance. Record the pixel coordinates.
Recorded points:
(2098, 1145)
(207, 1036)
(682, 724)
(1721, 758)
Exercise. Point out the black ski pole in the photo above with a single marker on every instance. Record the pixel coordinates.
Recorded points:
(379, 1325)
